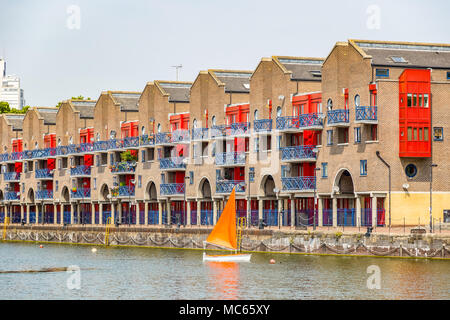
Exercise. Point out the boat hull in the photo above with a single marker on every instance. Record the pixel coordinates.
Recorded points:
(227, 257)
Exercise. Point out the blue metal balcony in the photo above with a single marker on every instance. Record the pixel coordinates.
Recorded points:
(346, 217)
(44, 194)
(116, 144)
(230, 158)
(80, 193)
(338, 117)
(226, 186)
(287, 123)
(124, 167)
(62, 150)
(27, 154)
(238, 129)
(43, 174)
(43, 153)
(167, 189)
(366, 114)
(163, 138)
(263, 125)
(102, 145)
(12, 196)
(180, 135)
(131, 142)
(172, 163)
(16, 156)
(218, 131)
(11, 176)
(126, 191)
(298, 153)
(311, 121)
(85, 147)
(298, 183)
(4, 157)
(147, 140)
(200, 133)
(80, 171)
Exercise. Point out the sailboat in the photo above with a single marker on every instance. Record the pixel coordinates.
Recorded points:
(224, 235)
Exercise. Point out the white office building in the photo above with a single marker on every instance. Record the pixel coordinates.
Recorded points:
(10, 90)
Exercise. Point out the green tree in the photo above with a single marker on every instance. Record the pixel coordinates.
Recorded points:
(4, 107)
(80, 97)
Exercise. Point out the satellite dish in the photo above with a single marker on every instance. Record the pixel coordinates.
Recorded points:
(335, 189)
(405, 186)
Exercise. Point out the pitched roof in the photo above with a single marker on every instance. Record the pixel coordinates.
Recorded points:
(177, 91)
(233, 80)
(405, 54)
(15, 120)
(128, 101)
(308, 69)
(48, 114)
(85, 107)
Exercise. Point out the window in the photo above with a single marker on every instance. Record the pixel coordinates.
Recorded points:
(363, 167)
(279, 142)
(425, 100)
(411, 171)
(438, 134)
(59, 163)
(329, 137)
(139, 181)
(448, 75)
(398, 59)
(163, 178)
(191, 177)
(256, 115)
(357, 100)
(143, 155)
(358, 135)
(194, 123)
(409, 100)
(374, 132)
(324, 169)
(213, 121)
(159, 127)
(111, 158)
(425, 134)
(279, 111)
(330, 104)
(56, 185)
(213, 151)
(382, 73)
(410, 134)
(284, 170)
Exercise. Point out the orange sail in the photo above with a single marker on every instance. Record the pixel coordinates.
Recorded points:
(224, 232)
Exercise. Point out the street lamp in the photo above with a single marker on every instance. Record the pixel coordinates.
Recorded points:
(433, 165)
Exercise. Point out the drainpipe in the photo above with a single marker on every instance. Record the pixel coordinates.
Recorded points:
(389, 169)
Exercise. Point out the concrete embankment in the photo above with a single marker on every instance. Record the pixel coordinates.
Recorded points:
(253, 240)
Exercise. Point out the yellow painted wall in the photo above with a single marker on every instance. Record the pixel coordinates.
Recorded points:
(413, 206)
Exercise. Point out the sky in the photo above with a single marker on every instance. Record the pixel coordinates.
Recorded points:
(67, 48)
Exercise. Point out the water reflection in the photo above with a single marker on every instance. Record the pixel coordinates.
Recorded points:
(224, 279)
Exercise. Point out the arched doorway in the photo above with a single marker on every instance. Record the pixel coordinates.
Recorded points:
(344, 190)
(206, 204)
(270, 203)
(153, 211)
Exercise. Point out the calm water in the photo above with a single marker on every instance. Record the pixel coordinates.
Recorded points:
(140, 273)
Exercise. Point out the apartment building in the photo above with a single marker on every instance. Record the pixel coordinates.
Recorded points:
(305, 141)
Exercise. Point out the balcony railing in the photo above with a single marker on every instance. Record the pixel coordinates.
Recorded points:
(62, 150)
(172, 188)
(11, 196)
(44, 174)
(125, 191)
(286, 123)
(218, 131)
(102, 145)
(124, 167)
(200, 133)
(4, 157)
(311, 120)
(298, 153)
(366, 113)
(338, 116)
(44, 194)
(43, 153)
(172, 163)
(262, 125)
(16, 156)
(147, 140)
(11, 176)
(230, 158)
(298, 183)
(27, 154)
(163, 138)
(226, 186)
(131, 142)
(80, 193)
(180, 135)
(85, 147)
(239, 128)
(80, 171)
